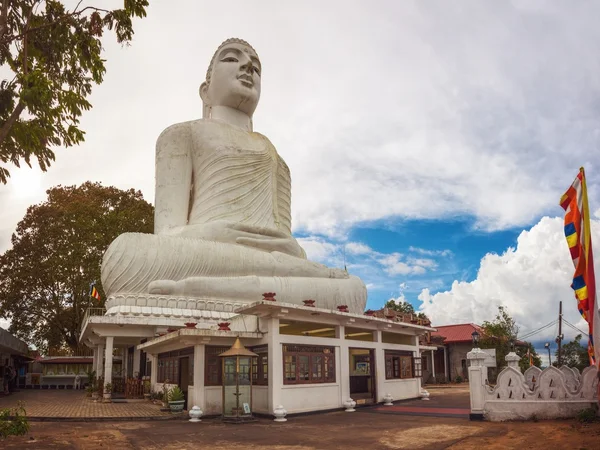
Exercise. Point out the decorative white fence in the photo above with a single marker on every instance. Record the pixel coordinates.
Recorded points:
(543, 394)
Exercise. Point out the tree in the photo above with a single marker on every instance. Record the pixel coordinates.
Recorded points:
(400, 306)
(498, 334)
(56, 253)
(525, 351)
(574, 354)
(54, 55)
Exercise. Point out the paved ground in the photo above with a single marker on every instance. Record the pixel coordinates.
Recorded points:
(338, 430)
(75, 404)
(452, 401)
(368, 428)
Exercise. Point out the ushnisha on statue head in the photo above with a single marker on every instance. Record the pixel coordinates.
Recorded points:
(232, 79)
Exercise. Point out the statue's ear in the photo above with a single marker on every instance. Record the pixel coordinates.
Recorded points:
(204, 96)
(204, 92)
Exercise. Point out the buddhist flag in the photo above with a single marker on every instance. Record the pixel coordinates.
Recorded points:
(94, 292)
(578, 234)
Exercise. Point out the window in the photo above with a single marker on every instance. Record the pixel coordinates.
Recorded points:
(399, 364)
(424, 362)
(308, 364)
(260, 366)
(168, 365)
(213, 370)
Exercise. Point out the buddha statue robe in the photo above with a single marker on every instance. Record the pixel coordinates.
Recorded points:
(237, 181)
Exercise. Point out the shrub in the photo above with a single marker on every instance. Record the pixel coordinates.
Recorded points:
(13, 422)
(176, 394)
(458, 379)
(587, 415)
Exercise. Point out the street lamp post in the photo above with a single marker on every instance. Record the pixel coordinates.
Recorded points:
(547, 346)
(475, 337)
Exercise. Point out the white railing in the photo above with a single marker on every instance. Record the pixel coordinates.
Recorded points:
(91, 312)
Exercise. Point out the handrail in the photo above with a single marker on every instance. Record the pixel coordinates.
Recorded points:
(91, 312)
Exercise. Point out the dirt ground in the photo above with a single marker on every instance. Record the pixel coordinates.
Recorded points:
(362, 429)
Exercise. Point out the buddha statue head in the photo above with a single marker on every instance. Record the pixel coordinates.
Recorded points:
(232, 78)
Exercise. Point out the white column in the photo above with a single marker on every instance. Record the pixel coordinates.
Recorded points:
(433, 364)
(417, 354)
(445, 364)
(380, 372)
(344, 365)
(199, 352)
(136, 361)
(95, 360)
(154, 371)
(124, 362)
(512, 359)
(275, 360)
(108, 362)
(100, 364)
(477, 379)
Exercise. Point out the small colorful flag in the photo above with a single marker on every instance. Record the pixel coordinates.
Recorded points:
(578, 234)
(94, 292)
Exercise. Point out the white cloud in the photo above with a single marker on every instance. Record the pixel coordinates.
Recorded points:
(427, 252)
(318, 249)
(394, 266)
(357, 248)
(529, 280)
(422, 262)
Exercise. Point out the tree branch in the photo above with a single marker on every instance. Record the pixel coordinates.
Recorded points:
(8, 39)
(11, 121)
(4, 18)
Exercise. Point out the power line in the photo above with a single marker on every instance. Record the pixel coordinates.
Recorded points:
(574, 327)
(531, 333)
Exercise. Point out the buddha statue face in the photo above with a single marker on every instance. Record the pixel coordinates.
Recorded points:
(233, 79)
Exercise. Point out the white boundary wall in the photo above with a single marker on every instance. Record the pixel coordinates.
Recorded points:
(541, 394)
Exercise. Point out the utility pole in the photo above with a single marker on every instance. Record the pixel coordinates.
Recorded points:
(560, 336)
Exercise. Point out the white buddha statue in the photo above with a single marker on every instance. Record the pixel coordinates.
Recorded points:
(222, 226)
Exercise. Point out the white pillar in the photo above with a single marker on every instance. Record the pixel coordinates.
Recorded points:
(344, 365)
(417, 355)
(136, 361)
(512, 359)
(124, 362)
(199, 352)
(95, 360)
(275, 360)
(477, 382)
(445, 364)
(380, 373)
(154, 371)
(108, 363)
(433, 364)
(100, 364)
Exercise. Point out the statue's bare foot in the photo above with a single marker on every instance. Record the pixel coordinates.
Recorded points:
(162, 287)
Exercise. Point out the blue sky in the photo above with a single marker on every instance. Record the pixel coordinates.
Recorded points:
(428, 143)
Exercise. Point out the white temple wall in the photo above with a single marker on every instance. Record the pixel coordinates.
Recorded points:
(260, 399)
(399, 389)
(538, 394)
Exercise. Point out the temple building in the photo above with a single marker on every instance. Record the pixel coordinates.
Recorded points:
(179, 298)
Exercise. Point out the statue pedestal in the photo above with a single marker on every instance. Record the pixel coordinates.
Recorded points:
(171, 306)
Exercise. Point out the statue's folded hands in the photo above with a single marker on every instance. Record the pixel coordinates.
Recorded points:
(261, 238)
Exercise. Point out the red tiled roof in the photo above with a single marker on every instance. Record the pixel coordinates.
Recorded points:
(457, 333)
